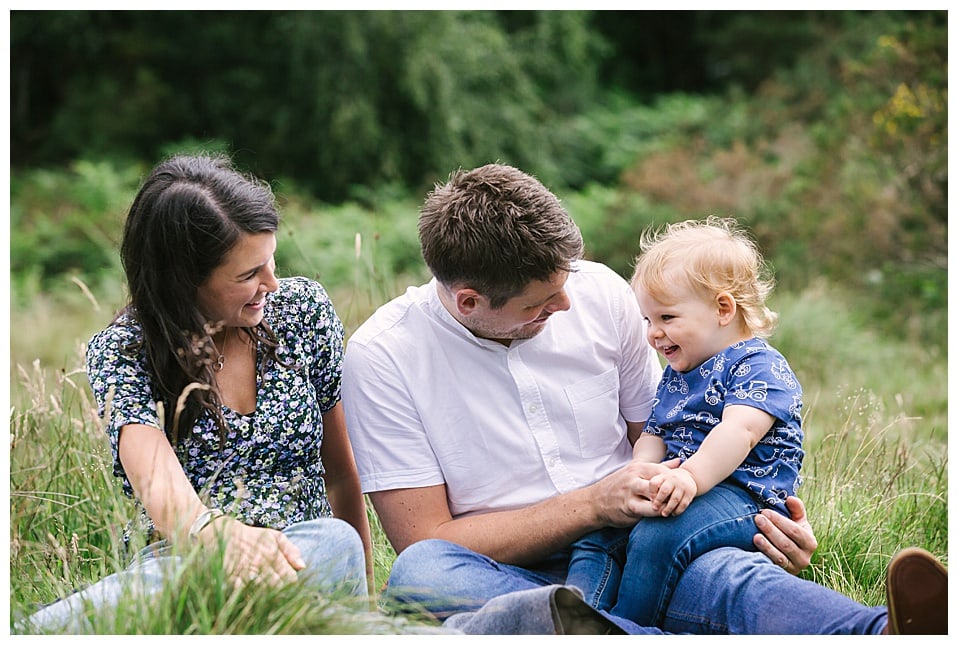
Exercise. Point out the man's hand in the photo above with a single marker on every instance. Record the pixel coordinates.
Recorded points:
(789, 543)
(625, 496)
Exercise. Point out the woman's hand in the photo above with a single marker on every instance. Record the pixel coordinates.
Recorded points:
(789, 543)
(264, 555)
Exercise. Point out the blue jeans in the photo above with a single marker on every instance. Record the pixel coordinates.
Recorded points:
(332, 549)
(596, 562)
(725, 591)
(661, 549)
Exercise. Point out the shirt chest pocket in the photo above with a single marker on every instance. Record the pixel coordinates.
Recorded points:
(595, 406)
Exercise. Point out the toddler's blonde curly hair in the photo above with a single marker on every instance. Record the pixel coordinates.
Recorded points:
(709, 256)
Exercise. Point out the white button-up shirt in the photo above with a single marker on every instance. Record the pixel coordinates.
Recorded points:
(427, 402)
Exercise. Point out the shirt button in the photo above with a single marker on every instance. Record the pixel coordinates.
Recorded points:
(532, 408)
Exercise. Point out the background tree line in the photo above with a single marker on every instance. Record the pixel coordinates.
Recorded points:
(825, 131)
(335, 99)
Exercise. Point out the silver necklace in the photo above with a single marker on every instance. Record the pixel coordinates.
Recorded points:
(221, 359)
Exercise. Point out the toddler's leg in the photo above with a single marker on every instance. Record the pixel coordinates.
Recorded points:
(660, 549)
(595, 566)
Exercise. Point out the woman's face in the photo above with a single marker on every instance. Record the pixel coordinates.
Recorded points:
(235, 293)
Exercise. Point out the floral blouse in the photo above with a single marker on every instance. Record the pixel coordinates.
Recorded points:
(268, 471)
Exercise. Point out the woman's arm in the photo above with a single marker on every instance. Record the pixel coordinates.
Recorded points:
(161, 485)
(342, 480)
(158, 480)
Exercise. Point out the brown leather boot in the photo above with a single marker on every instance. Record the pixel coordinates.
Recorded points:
(916, 586)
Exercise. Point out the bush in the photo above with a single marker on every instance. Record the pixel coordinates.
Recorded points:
(68, 222)
(837, 165)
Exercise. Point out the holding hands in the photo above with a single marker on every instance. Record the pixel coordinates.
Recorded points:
(627, 495)
(672, 491)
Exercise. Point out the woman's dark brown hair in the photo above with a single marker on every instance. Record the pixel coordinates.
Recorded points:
(188, 214)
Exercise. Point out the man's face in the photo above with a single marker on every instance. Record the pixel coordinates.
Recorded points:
(524, 315)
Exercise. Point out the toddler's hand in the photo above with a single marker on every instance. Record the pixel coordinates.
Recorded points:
(673, 491)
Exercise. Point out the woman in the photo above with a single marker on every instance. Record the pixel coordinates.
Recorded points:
(219, 387)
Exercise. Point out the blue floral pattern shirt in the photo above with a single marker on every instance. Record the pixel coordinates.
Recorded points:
(689, 404)
(268, 470)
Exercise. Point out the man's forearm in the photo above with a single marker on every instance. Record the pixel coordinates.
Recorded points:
(524, 536)
(519, 536)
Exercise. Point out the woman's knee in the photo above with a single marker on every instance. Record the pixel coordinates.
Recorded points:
(324, 533)
(332, 550)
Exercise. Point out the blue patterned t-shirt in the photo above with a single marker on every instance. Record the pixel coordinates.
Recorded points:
(689, 404)
(268, 470)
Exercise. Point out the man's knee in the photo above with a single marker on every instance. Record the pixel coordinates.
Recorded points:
(421, 562)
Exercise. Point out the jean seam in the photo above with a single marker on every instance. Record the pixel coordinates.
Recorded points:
(603, 583)
(701, 620)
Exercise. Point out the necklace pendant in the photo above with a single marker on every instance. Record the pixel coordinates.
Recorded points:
(218, 364)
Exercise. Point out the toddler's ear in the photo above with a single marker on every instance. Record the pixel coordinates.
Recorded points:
(727, 307)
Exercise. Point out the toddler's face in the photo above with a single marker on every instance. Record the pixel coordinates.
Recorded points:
(686, 331)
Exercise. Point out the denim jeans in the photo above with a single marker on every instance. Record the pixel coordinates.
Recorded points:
(657, 552)
(332, 549)
(725, 591)
(596, 563)
(661, 548)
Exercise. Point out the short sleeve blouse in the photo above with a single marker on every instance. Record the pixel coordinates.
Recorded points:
(268, 471)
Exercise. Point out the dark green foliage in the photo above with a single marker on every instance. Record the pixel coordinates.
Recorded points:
(703, 51)
(335, 99)
(824, 132)
(332, 99)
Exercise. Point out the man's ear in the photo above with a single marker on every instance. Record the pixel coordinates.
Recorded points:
(467, 300)
(726, 307)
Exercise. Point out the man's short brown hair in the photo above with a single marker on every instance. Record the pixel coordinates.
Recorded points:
(495, 229)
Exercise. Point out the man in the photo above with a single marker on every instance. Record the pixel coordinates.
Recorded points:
(490, 412)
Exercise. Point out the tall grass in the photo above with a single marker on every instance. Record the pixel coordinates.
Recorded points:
(67, 515)
(875, 420)
(875, 474)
